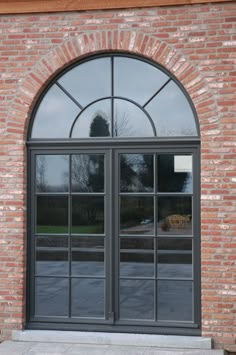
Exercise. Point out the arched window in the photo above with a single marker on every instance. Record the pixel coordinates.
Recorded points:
(114, 200)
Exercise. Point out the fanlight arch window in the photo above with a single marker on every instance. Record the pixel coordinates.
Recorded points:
(114, 96)
(114, 227)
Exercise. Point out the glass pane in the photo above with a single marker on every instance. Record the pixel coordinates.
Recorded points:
(175, 173)
(136, 79)
(136, 172)
(88, 214)
(55, 115)
(137, 257)
(87, 256)
(175, 215)
(136, 299)
(171, 112)
(174, 258)
(88, 81)
(175, 300)
(94, 121)
(52, 255)
(87, 173)
(52, 214)
(130, 121)
(136, 215)
(88, 298)
(51, 296)
(52, 173)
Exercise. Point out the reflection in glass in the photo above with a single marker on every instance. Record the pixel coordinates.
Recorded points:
(88, 298)
(174, 302)
(172, 113)
(51, 296)
(174, 173)
(136, 172)
(52, 255)
(87, 256)
(55, 115)
(88, 81)
(94, 121)
(52, 214)
(175, 215)
(130, 121)
(137, 257)
(136, 80)
(87, 173)
(174, 258)
(88, 214)
(137, 299)
(136, 215)
(52, 173)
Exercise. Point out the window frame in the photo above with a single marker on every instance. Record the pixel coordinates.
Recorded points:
(112, 96)
(171, 145)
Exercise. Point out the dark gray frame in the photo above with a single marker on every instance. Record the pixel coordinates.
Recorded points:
(111, 148)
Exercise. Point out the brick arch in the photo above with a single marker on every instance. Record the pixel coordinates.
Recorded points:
(129, 41)
(82, 45)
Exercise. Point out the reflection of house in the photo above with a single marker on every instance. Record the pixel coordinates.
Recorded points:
(161, 80)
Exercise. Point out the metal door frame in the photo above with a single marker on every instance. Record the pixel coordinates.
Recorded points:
(112, 324)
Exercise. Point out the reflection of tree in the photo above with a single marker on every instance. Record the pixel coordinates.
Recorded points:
(121, 125)
(169, 180)
(41, 167)
(88, 176)
(146, 171)
(136, 172)
(99, 126)
(127, 174)
(87, 172)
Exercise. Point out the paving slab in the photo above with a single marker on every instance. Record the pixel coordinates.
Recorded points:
(123, 339)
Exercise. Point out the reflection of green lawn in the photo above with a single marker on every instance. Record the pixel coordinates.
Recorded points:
(75, 229)
(87, 229)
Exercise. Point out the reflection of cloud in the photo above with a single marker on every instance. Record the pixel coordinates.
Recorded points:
(89, 81)
(55, 115)
(130, 120)
(172, 113)
(137, 80)
(134, 79)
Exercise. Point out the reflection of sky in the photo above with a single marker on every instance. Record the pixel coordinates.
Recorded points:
(88, 81)
(131, 121)
(55, 115)
(55, 169)
(134, 80)
(172, 113)
(137, 80)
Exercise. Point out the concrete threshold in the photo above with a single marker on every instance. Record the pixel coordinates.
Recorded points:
(118, 339)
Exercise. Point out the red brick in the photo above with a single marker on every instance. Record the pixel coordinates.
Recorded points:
(197, 44)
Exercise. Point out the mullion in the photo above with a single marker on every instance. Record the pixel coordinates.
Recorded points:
(156, 93)
(156, 236)
(136, 194)
(71, 277)
(69, 236)
(112, 96)
(69, 95)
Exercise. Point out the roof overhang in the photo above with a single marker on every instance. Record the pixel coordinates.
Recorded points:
(39, 6)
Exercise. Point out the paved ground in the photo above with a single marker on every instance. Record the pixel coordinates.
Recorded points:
(39, 348)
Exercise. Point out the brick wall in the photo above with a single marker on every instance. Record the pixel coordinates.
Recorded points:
(197, 43)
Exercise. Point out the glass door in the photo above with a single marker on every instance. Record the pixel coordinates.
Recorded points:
(154, 237)
(113, 238)
(70, 236)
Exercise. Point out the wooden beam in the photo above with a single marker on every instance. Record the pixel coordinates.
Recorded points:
(33, 6)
